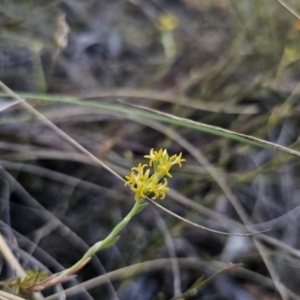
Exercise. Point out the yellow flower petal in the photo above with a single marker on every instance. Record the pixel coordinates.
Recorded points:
(176, 159)
(160, 190)
(164, 170)
(139, 168)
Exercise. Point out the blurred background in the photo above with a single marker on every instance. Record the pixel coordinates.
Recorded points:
(88, 67)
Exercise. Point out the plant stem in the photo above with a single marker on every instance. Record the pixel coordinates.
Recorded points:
(107, 242)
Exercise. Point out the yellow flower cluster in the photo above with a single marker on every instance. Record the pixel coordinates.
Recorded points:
(167, 22)
(142, 184)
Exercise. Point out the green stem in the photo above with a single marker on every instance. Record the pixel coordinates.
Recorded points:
(108, 241)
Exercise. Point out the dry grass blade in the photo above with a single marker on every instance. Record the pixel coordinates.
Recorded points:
(8, 296)
(15, 265)
(4, 106)
(57, 130)
(171, 98)
(289, 8)
(226, 133)
(200, 226)
(132, 270)
(10, 258)
(159, 264)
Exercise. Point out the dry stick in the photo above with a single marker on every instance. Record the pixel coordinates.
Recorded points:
(225, 188)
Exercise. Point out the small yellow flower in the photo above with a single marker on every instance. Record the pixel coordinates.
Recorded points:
(176, 159)
(161, 190)
(139, 168)
(167, 22)
(131, 179)
(139, 191)
(135, 178)
(142, 184)
(154, 155)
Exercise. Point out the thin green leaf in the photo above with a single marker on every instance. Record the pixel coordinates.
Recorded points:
(111, 241)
